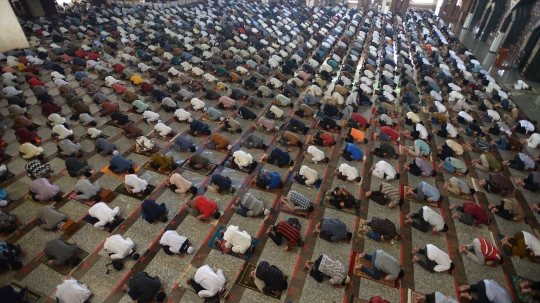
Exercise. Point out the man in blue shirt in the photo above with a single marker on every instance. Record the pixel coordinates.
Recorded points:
(424, 191)
(119, 164)
(352, 152)
(151, 211)
(220, 184)
(197, 128)
(332, 230)
(182, 144)
(278, 157)
(268, 180)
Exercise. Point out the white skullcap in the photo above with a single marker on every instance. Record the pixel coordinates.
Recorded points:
(190, 120)
(190, 250)
(116, 153)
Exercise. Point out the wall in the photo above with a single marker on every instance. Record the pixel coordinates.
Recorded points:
(11, 35)
(535, 16)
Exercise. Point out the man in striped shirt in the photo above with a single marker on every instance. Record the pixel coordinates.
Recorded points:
(295, 201)
(386, 193)
(284, 229)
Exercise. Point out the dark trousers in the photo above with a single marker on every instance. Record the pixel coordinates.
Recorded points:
(465, 218)
(315, 273)
(196, 286)
(378, 152)
(503, 213)
(378, 197)
(424, 225)
(529, 184)
(442, 132)
(517, 163)
(300, 179)
(520, 129)
(414, 169)
(480, 289)
(276, 237)
(428, 264)
(347, 155)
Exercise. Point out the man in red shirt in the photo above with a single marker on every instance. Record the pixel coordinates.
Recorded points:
(290, 232)
(471, 213)
(146, 87)
(358, 120)
(107, 108)
(322, 138)
(35, 82)
(388, 134)
(203, 209)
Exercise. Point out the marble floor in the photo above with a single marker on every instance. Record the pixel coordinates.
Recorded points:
(302, 288)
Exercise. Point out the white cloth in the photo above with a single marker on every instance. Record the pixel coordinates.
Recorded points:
(118, 247)
(94, 132)
(317, 155)
(103, 213)
(62, 131)
(172, 239)
(451, 130)
(494, 115)
(529, 127)
(423, 131)
(136, 183)
(242, 159)
(532, 243)
(162, 129)
(309, 174)
(436, 254)
(384, 168)
(151, 116)
(211, 281)
(197, 104)
(110, 81)
(520, 85)
(238, 241)
(182, 114)
(433, 217)
(349, 171)
(466, 116)
(70, 291)
(278, 112)
(533, 140)
(56, 119)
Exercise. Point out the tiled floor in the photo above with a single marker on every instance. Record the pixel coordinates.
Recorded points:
(302, 288)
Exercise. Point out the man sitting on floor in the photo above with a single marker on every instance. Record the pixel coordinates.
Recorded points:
(269, 279)
(182, 144)
(351, 152)
(59, 252)
(143, 288)
(104, 147)
(207, 283)
(72, 291)
(152, 212)
(179, 185)
(341, 198)
(428, 217)
(220, 184)
(458, 187)
(297, 202)
(381, 262)
(382, 230)
(161, 162)
(420, 167)
(203, 209)
(332, 230)
(325, 266)
(424, 191)
(86, 190)
(481, 251)
(235, 241)
(218, 142)
(136, 185)
(384, 170)
(103, 217)
(249, 206)
(278, 157)
(173, 243)
(436, 259)
(306, 176)
(242, 160)
(471, 213)
(119, 248)
(198, 161)
(41, 190)
(345, 172)
(118, 164)
(290, 232)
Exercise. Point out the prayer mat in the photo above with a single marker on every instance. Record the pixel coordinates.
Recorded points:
(18, 224)
(352, 211)
(318, 184)
(107, 171)
(88, 219)
(221, 151)
(496, 240)
(202, 171)
(441, 170)
(110, 123)
(149, 153)
(521, 297)
(404, 188)
(9, 176)
(284, 209)
(339, 117)
(476, 186)
(226, 163)
(87, 136)
(218, 236)
(123, 191)
(28, 197)
(402, 152)
(188, 272)
(334, 131)
(90, 202)
(444, 192)
(361, 234)
(156, 135)
(251, 184)
(367, 263)
(163, 172)
(33, 296)
(284, 127)
(358, 300)
(412, 295)
(245, 281)
(277, 119)
(65, 269)
(372, 138)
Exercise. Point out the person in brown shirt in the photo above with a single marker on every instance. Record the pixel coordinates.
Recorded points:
(184, 79)
(341, 90)
(290, 139)
(218, 142)
(107, 108)
(234, 77)
(129, 97)
(131, 131)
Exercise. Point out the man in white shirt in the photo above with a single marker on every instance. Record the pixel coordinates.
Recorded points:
(198, 104)
(11, 91)
(384, 170)
(173, 243)
(71, 291)
(104, 217)
(150, 116)
(118, 248)
(163, 130)
(60, 132)
(533, 140)
(521, 85)
(455, 96)
(242, 160)
(306, 176)
(428, 217)
(136, 185)
(208, 283)
(182, 115)
(235, 241)
(419, 133)
(523, 127)
(315, 155)
(109, 81)
(436, 259)
(347, 172)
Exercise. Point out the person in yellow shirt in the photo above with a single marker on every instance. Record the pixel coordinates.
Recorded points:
(136, 80)
(162, 163)
(221, 86)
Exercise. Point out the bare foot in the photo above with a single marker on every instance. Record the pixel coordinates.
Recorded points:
(463, 288)
(415, 259)
(125, 288)
(269, 230)
(524, 284)
(415, 250)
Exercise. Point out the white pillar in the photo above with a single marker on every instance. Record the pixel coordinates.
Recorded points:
(386, 6)
(11, 35)
(496, 42)
(468, 20)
